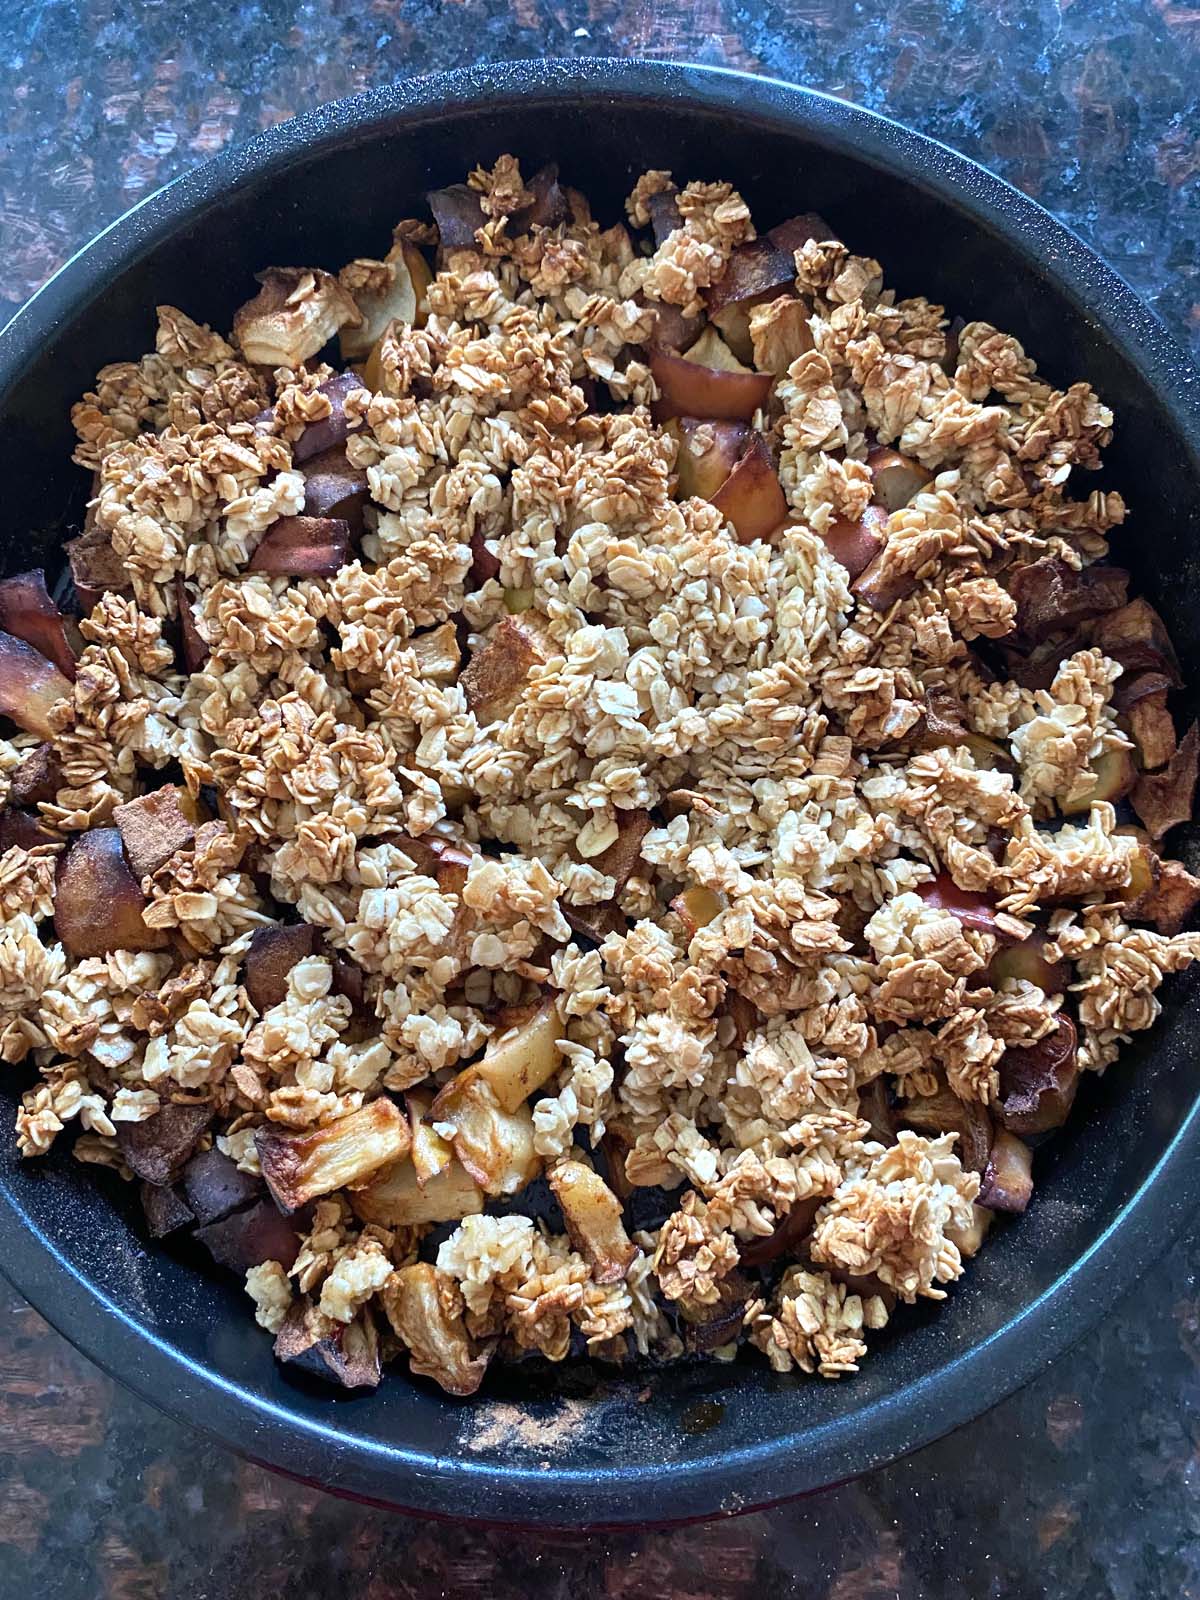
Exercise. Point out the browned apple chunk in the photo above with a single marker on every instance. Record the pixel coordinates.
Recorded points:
(1038, 1081)
(215, 1186)
(1027, 961)
(691, 390)
(796, 232)
(1170, 901)
(36, 777)
(549, 207)
(303, 547)
(944, 1112)
(1150, 723)
(22, 830)
(494, 677)
(1115, 774)
(484, 565)
(28, 612)
(193, 644)
(972, 908)
(883, 583)
(1164, 799)
(1052, 597)
(1136, 636)
(335, 488)
(856, 544)
(273, 952)
(345, 1353)
(438, 1344)
(623, 857)
(896, 478)
(95, 565)
(787, 1236)
(594, 1220)
(152, 828)
(30, 686)
(596, 922)
(458, 212)
(165, 1209)
(752, 498)
(98, 903)
(334, 429)
(397, 1198)
(522, 1058)
(755, 270)
(875, 1108)
(437, 653)
(1008, 1178)
(672, 330)
(663, 209)
(495, 1146)
(300, 1167)
(245, 1239)
(158, 1148)
(707, 453)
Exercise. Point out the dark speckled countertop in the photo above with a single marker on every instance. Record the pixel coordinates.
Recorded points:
(1086, 1484)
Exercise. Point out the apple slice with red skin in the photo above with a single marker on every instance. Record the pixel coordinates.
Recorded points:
(708, 451)
(98, 903)
(751, 498)
(272, 953)
(856, 544)
(896, 478)
(1038, 1081)
(458, 212)
(691, 390)
(672, 330)
(549, 207)
(29, 686)
(334, 429)
(794, 233)
(664, 213)
(193, 646)
(303, 547)
(334, 488)
(973, 909)
(1008, 1177)
(28, 612)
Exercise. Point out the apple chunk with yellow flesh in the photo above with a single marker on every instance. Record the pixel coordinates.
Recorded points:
(708, 451)
(98, 903)
(751, 498)
(29, 686)
(691, 388)
(896, 478)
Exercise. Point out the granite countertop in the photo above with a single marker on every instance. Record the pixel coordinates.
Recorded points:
(1085, 1484)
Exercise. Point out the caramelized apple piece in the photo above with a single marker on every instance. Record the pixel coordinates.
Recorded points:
(882, 583)
(430, 1152)
(29, 686)
(334, 429)
(945, 720)
(246, 1239)
(896, 478)
(697, 907)
(334, 488)
(944, 1112)
(756, 270)
(789, 1233)
(751, 498)
(549, 207)
(707, 453)
(152, 828)
(1137, 637)
(1150, 723)
(193, 644)
(856, 544)
(95, 565)
(1170, 902)
(691, 390)
(594, 1220)
(402, 300)
(437, 653)
(98, 903)
(523, 1057)
(1027, 961)
(165, 1209)
(272, 953)
(1164, 799)
(1008, 1178)
(215, 1186)
(495, 675)
(459, 214)
(672, 330)
(484, 565)
(345, 1353)
(1052, 597)
(623, 857)
(665, 217)
(299, 1167)
(1038, 1081)
(303, 547)
(21, 829)
(1115, 774)
(28, 612)
(157, 1148)
(795, 233)
(875, 1107)
(495, 1146)
(972, 908)
(596, 922)
(36, 777)
(706, 1328)
(297, 310)
(396, 1198)
(438, 1344)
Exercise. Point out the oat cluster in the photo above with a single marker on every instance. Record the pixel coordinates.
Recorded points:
(764, 888)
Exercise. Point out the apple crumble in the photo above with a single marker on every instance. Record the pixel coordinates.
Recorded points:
(594, 791)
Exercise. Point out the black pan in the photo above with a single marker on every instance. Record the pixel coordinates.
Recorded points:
(559, 1446)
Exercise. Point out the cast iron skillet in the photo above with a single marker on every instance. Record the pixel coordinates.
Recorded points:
(687, 1441)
